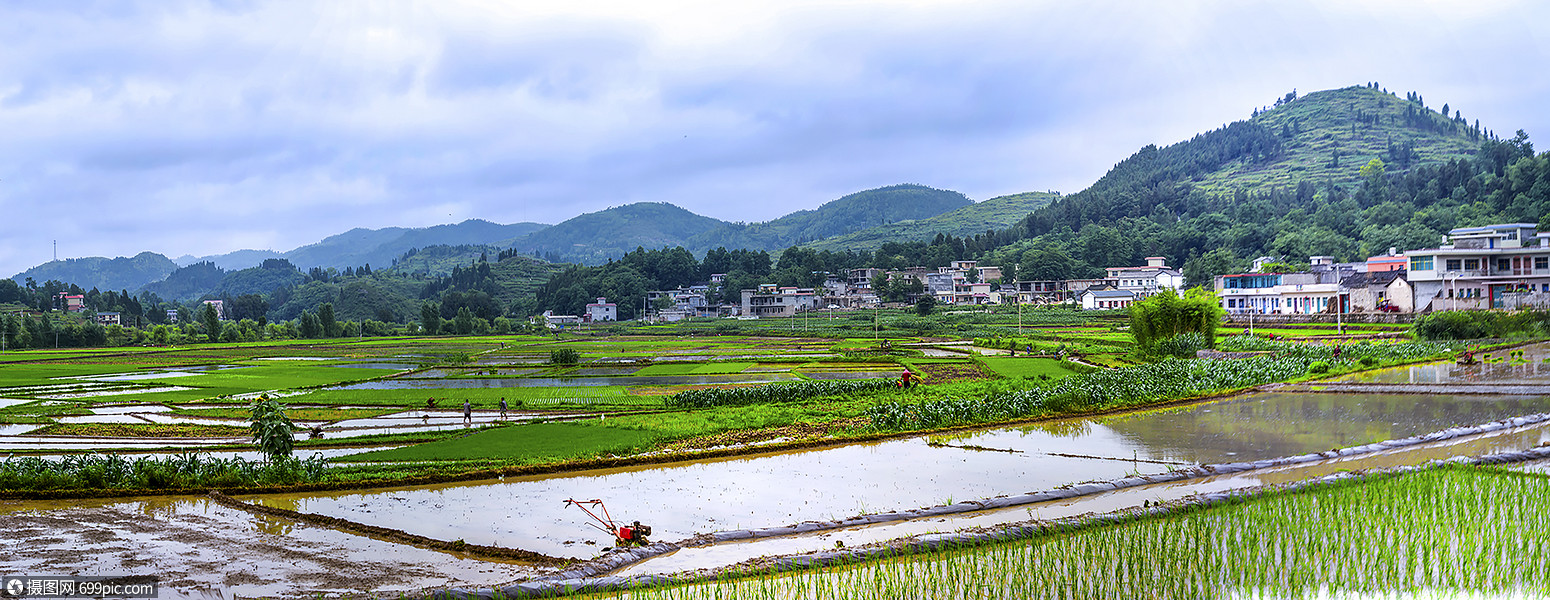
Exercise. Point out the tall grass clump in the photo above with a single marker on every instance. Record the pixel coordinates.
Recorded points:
(1159, 320)
(1435, 533)
(1476, 324)
(564, 356)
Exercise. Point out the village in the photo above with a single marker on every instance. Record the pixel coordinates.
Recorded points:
(1494, 266)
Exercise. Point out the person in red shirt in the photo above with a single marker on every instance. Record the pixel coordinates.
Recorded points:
(904, 380)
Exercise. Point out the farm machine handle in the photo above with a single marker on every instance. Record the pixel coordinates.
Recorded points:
(624, 535)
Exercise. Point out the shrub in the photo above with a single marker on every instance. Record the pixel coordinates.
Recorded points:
(564, 356)
(1183, 345)
(1319, 367)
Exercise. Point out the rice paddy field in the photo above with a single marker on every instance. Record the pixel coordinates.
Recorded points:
(1441, 532)
(707, 427)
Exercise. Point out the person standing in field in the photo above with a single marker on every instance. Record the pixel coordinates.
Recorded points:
(503, 408)
(468, 413)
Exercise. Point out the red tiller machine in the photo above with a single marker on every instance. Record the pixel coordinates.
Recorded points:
(633, 534)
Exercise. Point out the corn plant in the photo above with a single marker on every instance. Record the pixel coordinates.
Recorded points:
(180, 471)
(273, 432)
(775, 392)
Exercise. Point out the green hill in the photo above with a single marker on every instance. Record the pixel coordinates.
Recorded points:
(1346, 173)
(855, 212)
(378, 247)
(597, 237)
(996, 213)
(1330, 134)
(106, 274)
(438, 260)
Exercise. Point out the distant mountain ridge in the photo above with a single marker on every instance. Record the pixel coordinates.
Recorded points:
(587, 238)
(978, 217)
(606, 234)
(103, 273)
(878, 207)
(597, 237)
(376, 247)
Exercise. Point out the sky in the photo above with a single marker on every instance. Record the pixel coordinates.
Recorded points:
(199, 128)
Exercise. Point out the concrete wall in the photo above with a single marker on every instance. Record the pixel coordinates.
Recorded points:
(1267, 320)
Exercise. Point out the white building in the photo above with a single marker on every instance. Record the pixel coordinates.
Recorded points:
(1148, 280)
(602, 310)
(770, 300)
(1495, 266)
(1106, 298)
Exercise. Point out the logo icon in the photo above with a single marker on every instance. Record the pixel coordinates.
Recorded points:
(14, 587)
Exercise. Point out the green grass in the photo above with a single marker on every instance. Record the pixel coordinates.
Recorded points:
(724, 368)
(669, 369)
(1007, 366)
(480, 398)
(538, 442)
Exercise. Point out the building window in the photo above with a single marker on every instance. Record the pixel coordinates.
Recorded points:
(1471, 264)
(1420, 263)
(1504, 264)
(1541, 263)
(1455, 264)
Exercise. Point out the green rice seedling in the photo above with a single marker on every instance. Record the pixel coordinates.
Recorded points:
(1439, 532)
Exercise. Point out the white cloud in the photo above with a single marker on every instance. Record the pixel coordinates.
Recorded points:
(195, 127)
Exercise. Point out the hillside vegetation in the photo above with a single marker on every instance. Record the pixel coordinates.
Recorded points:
(607, 234)
(879, 207)
(996, 213)
(103, 273)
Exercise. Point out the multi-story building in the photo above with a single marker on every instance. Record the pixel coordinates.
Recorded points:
(70, 302)
(1495, 266)
(1048, 291)
(1148, 280)
(1314, 291)
(770, 300)
(220, 308)
(602, 310)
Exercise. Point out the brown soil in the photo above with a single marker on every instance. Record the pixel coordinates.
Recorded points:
(931, 373)
(135, 430)
(392, 535)
(795, 432)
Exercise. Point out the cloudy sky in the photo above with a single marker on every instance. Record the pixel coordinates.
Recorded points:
(198, 128)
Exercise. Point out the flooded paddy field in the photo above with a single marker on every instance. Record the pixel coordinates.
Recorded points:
(730, 553)
(193, 544)
(684, 499)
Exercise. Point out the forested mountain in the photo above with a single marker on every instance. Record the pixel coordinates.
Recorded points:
(188, 282)
(1274, 185)
(996, 213)
(103, 273)
(377, 247)
(240, 259)
(608, 234)
(855, 212)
